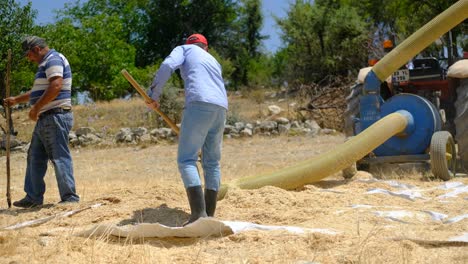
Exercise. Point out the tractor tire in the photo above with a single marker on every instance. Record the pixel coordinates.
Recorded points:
(352, 109)
(443, 155)
(461, 122)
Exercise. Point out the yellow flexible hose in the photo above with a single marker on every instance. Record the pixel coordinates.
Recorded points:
(422, 38)
(317, 168)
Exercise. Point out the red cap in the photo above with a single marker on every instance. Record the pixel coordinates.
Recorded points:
(196, 38)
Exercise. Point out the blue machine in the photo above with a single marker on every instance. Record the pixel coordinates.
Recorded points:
(413, 144)
(423, 138)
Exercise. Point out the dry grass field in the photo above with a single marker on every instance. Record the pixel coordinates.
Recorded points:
(141, 184)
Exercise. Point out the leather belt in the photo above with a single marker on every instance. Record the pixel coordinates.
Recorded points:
(56, 110)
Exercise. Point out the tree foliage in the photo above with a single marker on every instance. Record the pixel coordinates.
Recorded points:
(336, 36)
(97, 50)
(320, 38)
(246, 52)
(171, 21)
(322, 41)
(15, 23)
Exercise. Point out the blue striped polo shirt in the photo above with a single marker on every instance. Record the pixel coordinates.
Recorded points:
(53, 64)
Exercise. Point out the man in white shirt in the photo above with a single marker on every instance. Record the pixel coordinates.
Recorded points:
(203, 120)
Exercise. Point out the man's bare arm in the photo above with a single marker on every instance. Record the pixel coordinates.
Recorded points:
(22, 98)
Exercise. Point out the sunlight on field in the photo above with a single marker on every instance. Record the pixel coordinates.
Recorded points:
(141, 184)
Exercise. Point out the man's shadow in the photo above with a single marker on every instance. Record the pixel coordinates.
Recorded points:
(164, 215)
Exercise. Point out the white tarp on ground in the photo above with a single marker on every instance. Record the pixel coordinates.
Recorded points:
(204, 227)
(412, 193)
(460, 240)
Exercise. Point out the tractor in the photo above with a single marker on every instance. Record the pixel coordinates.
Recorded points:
(437, 95)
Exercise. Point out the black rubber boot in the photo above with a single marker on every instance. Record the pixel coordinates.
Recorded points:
(197, 204)
(210, 201)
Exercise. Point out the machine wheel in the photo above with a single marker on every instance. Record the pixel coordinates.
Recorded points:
(443, 155)
(461, 122)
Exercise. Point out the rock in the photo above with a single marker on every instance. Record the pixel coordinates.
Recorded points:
(72, 135)
(228, 129)
(123, 135)
(139, 131)
(167, 132)
(257, 130)
(89, 139)
(284, 129)
(296, 124)
(328, 131)
(268, 126)
(73, 139)
(162, 133)
(84, 131)
(239, 126)
(25, 148)
(313, 126)
(145, 138)
(14, 143)
(246, 132)
(282, 120)
(274, 109)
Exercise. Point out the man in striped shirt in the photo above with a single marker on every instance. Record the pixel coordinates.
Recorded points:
(50, 99)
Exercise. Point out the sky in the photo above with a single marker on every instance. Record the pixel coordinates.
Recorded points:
(270, 8)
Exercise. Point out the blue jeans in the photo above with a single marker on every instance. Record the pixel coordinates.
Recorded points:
(50, 142)
(202, 129)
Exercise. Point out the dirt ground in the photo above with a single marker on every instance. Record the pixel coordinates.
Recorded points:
(142, 185)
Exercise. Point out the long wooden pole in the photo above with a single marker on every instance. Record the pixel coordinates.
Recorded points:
(142, 92)
(8, 130)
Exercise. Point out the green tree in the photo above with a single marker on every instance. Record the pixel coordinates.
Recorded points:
(15, 23)
(252, 24)
(322, 40)
(131, 13)
(171, 21)
(421, 13)
(116, 34)
(97, 49)
(398, 19)
(246, 52)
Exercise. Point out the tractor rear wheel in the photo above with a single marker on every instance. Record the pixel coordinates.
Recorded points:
(461, 122)
(443, 155)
